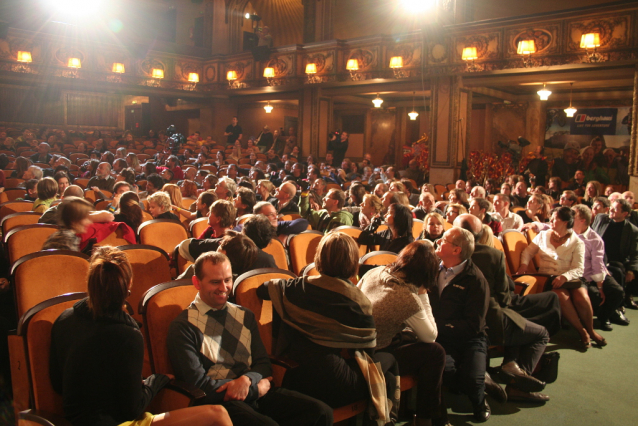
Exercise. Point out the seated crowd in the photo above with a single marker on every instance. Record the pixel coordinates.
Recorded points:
(431, 314)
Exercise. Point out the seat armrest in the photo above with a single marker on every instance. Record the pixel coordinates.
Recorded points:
(283, 362)
(186, 389)
(43, 418)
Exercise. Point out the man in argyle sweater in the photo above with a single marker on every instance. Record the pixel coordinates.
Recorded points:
(215, 345)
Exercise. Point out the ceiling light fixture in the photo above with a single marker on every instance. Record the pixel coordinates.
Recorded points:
(413, 115)
(377, 101)
(544, 93)
(569, 112)
(268, 108)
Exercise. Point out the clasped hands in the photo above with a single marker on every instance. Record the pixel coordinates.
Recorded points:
(237, 390)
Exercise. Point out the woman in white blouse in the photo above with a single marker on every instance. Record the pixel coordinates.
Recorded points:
(562, 253)
(399, 296)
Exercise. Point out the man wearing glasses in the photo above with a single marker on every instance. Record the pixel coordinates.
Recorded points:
(459, 304)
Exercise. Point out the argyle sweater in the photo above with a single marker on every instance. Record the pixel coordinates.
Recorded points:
(208, 347)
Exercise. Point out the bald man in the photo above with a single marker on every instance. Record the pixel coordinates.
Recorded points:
(284, 195)
(524, 341)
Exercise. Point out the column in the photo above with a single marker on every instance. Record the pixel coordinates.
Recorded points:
(315, 121)
(633, 148)
(449, 124)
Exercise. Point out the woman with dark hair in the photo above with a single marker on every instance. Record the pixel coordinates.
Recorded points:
(562, 253)
(345, 315)
(591, 169)
(220, 159)
(22, 164)
(459, 196)
(130, 211)
(90, 167)
(97, 354)
(396, 237)
(149, 168)
(399, 296)
(128, 176)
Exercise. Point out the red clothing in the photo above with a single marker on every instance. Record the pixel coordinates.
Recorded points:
(99, 231)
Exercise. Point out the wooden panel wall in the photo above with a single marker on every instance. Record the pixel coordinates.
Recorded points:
(92, 110)
(23, 105)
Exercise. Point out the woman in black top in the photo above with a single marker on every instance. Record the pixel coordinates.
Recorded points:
(534, 210)
(399, 232)
(97, 354)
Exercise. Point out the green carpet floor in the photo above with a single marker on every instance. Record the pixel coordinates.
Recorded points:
(597, 387)
(594, 388)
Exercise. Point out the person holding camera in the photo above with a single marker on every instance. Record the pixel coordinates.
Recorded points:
(338, 144)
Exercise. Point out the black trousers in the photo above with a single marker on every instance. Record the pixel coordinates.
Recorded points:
(280, 407)
(338, 381)
(525, 346)
(426, 361)
(465, 368)
(542, 309)
(614, 296)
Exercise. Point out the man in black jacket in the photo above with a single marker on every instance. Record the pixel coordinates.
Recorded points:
(459, 305)
(621, 246)
(524, 341)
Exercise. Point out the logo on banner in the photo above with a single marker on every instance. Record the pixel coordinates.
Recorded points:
(595, 121)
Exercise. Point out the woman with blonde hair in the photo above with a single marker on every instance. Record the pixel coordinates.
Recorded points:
(134, 162)
(370, 207)
(487, 236)
(534, 211)
(433, 227)
(265, 190)
(96, 338)
(593, 190)
(174, 193)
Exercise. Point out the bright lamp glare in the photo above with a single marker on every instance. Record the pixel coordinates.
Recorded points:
(77, 7)
(418, 6)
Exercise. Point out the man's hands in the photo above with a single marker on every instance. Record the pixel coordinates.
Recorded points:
(264, 386)
(236, 390)
(600, 290)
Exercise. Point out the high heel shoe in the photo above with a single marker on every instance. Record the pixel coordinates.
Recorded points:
(600, 342)
(585, 344)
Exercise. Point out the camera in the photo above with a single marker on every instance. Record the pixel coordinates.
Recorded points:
(175, 140)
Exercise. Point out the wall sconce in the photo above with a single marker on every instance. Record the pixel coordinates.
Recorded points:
(24, 59)
(526, 48)
(413, 115)
(157, 75)
(470, 54)
(117, 69)
(233, 83)
(377, 101)
(353, 66)
(591, 41)
(311, 73)
(396, 63)
(569, 112)
(269, 74)
(74, 64)
(544, 93)
(193, 79)
(253, 17)
(268, 108)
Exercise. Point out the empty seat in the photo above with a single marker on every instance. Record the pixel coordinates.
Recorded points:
(277, 250)
(27, 239)
(302, 248)
(46, 274)
(354, 232)
(18, 219)
(14, 207)
(378, 258)
(150, 267)
(162, 233)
